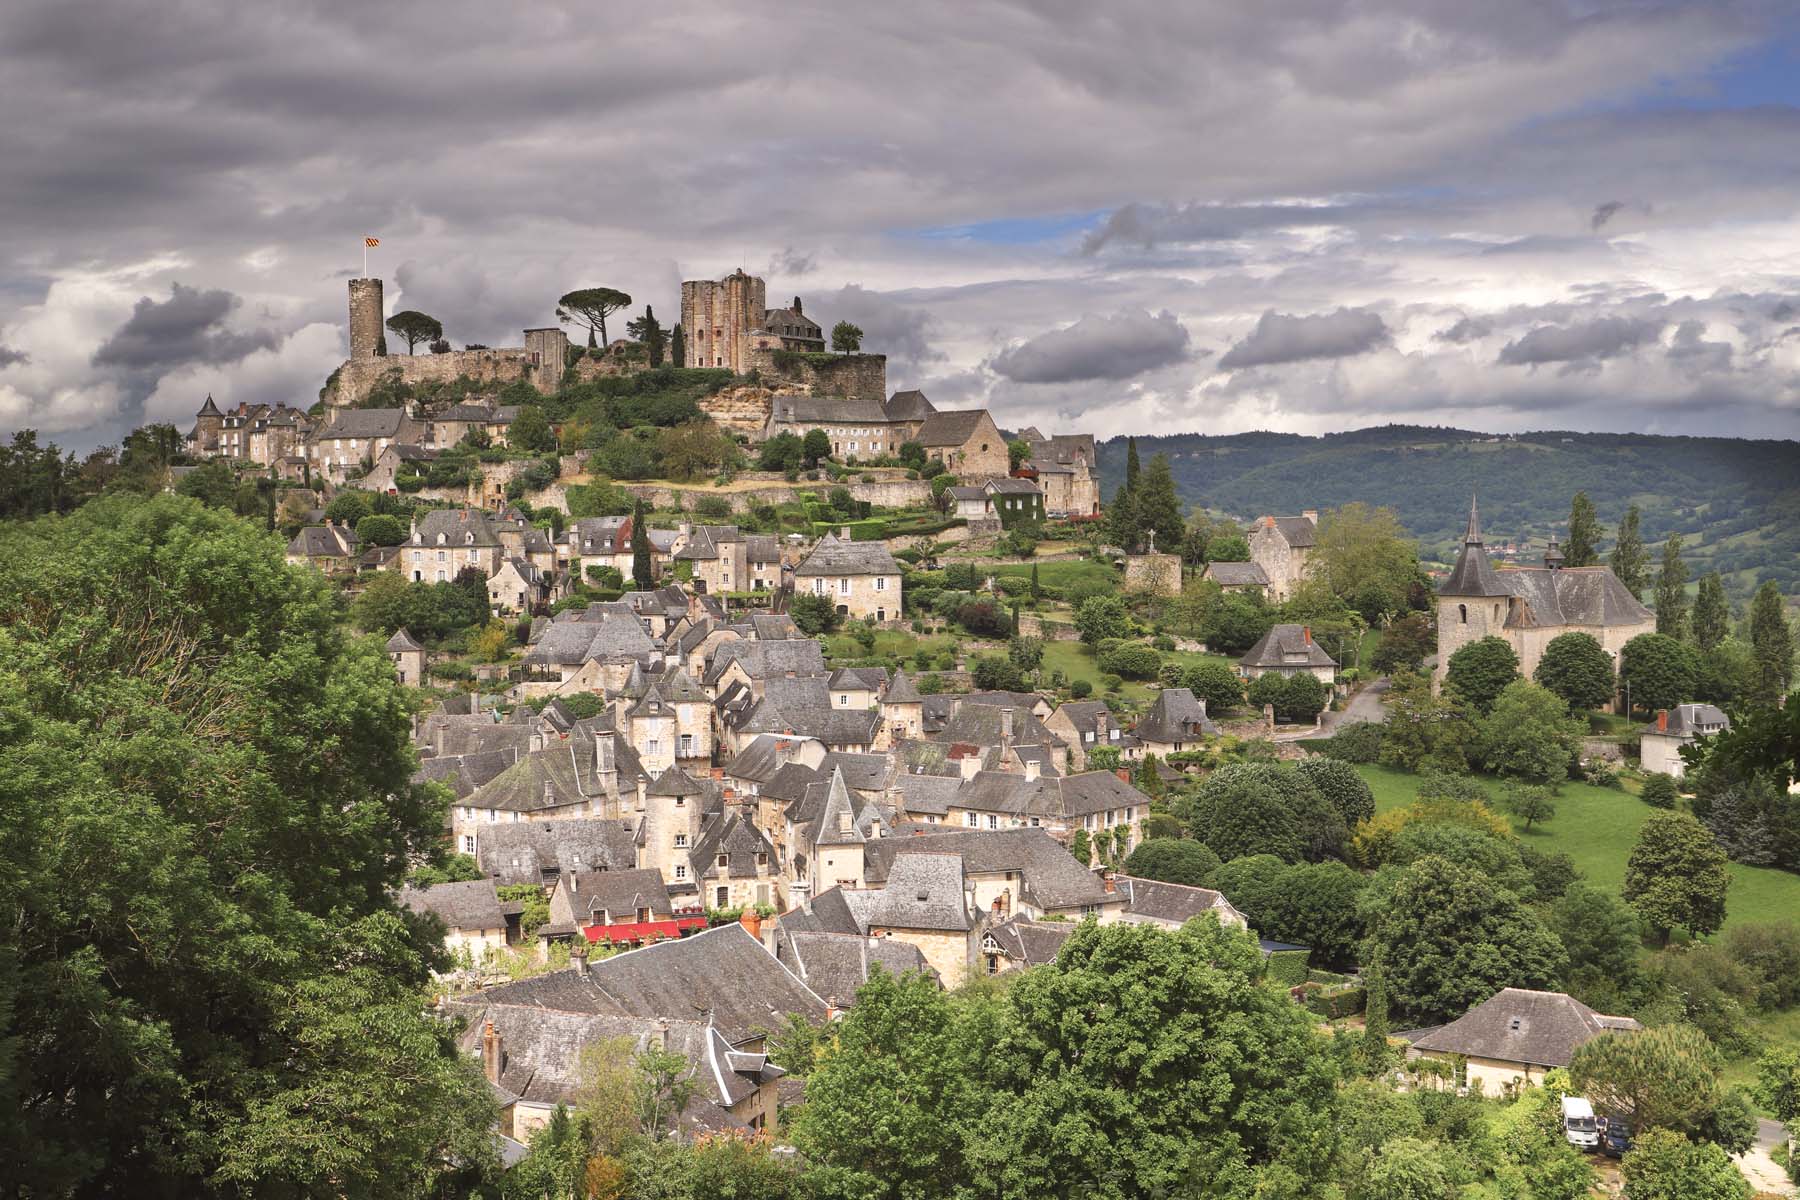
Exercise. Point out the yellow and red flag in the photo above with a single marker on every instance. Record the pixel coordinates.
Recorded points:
(371, 242)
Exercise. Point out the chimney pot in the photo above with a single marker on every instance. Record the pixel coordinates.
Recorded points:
(1031, 770)
(751, 922)
(1124, 774)
(1662, 720)
(492, 1053)
(1306, 634)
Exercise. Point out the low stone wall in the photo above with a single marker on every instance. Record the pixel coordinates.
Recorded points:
(1159, 574)
(898, 493)
(1605, 749)
(357, 377)
(1034, 625)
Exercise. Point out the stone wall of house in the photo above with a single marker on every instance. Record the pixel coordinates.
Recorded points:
(854, 376)
(890, 493)
(1158, 574)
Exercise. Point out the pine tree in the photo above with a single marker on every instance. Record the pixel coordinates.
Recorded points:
(1628, 558)
(641, 575)
(1772, 642)
(1712, 615)
(1158, 507)
(1671, 591)
(1585, 533)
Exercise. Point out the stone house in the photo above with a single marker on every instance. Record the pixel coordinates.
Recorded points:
(862, 578)
(584, 776)
(354, 435)
(1237, 576)
(902, 709)
(408, 658)
(1015, 501)
(734, 864)
(541, 852)
(1083, 725)
(1020, 942)
(924, 904)
(724, 559)
(1282, 547)
(1513, 1038)
(444, 541)
(609, 542)
(391, 462)
(1288, 650)
(836, 965)
(1529, 607)
(858, 429)
(517, 587)
(1175, 721)
(1064, 467)
(451, 426)
(725, 321)
(1659, 746)
(967, 442)
(330, 547)
(1006, 871)
(474, 921)
(971, 501)
(617, 906)
(589, 655)
(856, 687)
(668, 719)
(1172, 905)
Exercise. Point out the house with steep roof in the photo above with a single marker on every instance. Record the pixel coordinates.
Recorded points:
(1083, 725)
(577, 655)
(445, 541)
(353, 435)
(1008, 870)
(923, 902)
(473, 917)
(1172, 905)
(1660, 743)
(1283, 547)
(836, 965)
(1528, 607)
(967, 442)
(1514, 1037)
(584, 775)
(518, 587)
(1288, 650)
(861, 579)
(611, 542)
(541, 852)
(408, 658)
(1065, 468)
(1237, 576)
(1175, 721)
(629, 907)
(330, 547)
(667, 717)
(1020, 942)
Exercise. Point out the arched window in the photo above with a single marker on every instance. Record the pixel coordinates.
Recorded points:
(1462, 614)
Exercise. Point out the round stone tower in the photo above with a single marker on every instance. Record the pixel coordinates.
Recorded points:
(365, 317)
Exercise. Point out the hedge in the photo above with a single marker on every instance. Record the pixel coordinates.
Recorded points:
(1288, 967)
(1332, 1003)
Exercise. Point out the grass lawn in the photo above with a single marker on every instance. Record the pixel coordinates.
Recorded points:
(893, 643)
(1065, 574)
(1597, 827)
(1076, 661)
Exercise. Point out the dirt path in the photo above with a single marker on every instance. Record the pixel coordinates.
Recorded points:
(1759, 1168)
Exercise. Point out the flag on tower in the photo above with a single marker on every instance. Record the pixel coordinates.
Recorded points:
(371, 242)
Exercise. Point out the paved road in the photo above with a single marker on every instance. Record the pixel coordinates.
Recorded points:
(1759, 1168)
(1366, 705)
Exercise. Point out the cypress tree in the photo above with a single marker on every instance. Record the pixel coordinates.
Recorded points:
(1772, 641)
(640, 550)
(1712, 616)
(1585, 533)
(678, 347)
(1628, 558)
(1158, 507)
(1127, 518)
(1671, 591)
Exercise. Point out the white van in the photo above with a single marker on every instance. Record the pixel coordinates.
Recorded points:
(1579, 1125)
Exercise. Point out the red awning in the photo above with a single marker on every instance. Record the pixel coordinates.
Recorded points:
(643, 931)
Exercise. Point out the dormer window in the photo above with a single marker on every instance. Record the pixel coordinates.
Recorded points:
(469, 539)
(722, 860)
(442, 539)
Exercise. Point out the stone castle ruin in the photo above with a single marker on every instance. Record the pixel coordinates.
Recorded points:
(728, 323)
(539, 362)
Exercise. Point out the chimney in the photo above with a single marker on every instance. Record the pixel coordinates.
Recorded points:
(844, 534)
(493, 1054)
(578, 955)
(603, 753)
(1006, 726)
(662, 1035)
(1107, 882)
(1662, 720)
(1306, 634)
(1031, 770)
(1124, 774)
(751, 922)
(798, 311)
(1311, 514)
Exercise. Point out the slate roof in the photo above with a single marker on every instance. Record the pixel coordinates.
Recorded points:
(456, 525)
(734, 835)
(837, 822)
(768, 660)
(542, 780)
(362, 423)
(1171, 902)
(901, 690)
(832, 410)
(909, 405)
(1689, 720)
(722, 971)
(1061, 448)
(324, 541)
(1174, 716)
(760, 759)
(952, 427)
(1236, 574)
(1299, 532)
(862, 772)
(539, 851)
(463, 773)
(834, 557)
(775, 627)
(1521, 1026)
(857, 679)
(1014, 487)
(610, 896)
(1286, 646)
(614, 639)
(1050, 876)
(1027, 942)
(927, 795)
(835, 965)
(472, 905)
(1569, 596)
(923, 890)
(968, 491)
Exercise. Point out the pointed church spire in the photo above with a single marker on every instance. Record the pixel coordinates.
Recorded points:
(1473, 536)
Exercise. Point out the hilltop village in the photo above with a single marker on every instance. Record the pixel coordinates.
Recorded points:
(794, 759)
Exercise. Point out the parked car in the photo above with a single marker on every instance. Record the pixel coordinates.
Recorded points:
(1579, 1124)
(1615, 1137)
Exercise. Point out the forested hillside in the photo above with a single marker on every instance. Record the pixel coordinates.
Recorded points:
(1736, 502)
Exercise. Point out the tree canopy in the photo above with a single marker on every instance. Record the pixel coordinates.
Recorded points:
(1578, 669)
(1658, 671)
(1479, 671)
(415, 327)
(1676, 875)
(589, 308)
(846, 338)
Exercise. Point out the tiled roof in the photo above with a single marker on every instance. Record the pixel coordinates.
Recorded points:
(538, 851)
(1520, 1026)
(1050, 874)
(835, 965)
(834, 557)
(1237, 574)
(1286, 646)
(1174, 716)
(1172, 902)
(950, 428)
(461, 906)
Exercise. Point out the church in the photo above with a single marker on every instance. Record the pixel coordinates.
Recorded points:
(1529, 606)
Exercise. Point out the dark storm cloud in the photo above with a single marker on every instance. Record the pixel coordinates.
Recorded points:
(790, 262)
(1097, 347)
(1691, 350)
(1281, 338)
(1465, 331)
(891, 325)
(1586, 341)
(1604, 213)
(188, 327)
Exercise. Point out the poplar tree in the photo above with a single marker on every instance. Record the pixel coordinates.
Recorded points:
(1126, 522)
(1772, 642)
(641, 576)
(1712, 615)
(1585, 533)
(1671, 591)
(1628, 557)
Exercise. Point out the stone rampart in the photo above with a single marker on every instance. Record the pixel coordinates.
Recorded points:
(360, 376)
(855, 376)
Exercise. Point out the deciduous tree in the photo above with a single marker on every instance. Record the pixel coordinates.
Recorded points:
(1478, 672)
(1173, 860)
(1365, 556)
(1629, 562)
(530, 431)
(1578, 669)
(1585, 532)
(1666, 1166)
(1530, 735)
(1712, 613)
(1676, 875)
(1657, 671)
(1671, 591)
(414, 327)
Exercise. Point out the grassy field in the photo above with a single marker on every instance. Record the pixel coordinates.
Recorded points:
(1597, 828)
(1064, 574)
(896, 643)
(1077, 662)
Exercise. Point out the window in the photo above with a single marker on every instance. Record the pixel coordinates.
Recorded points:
(881, 583)
(722, 860)
(680, 871)
(844, 587)
(653, 747)
(971, 820)
(687, 745)
(681, 841)
(468, 843)
(722, 897)
(843, 699)
(1087, 735)
(993, 821)
(1462, 614)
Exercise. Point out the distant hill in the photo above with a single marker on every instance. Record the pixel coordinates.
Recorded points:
(1735, 502)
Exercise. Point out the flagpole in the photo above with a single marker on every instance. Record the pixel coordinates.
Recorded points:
(365, 258)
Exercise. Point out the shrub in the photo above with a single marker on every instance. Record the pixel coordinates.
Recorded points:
(1110, 682)
(1358, 743)
(605, 577)
(1601, 774)
(1173, 860)
(814, 614)
(1660, 790)
(1133, 660)
(984, 618)
(1163, 642)
(996, 674)
(1081, 689)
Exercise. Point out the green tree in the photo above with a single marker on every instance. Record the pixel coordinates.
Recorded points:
(1124, 524)
(1778, 1082)
(1158, 507)
(1530, 735)
(589, 308)
(814, 614)
(693, 449)
(349, 506)
(1659, 790)
(1629, 562)
(1173, 860)
(1215, 683)
(1026, 653)
(1180, 1056)
(642, 577)
(1585, 532)
(782, 452)
(530, 431)
(1343, 785)
(1404, 644)
(1426, 731)
(992, 673)
(1018, 451)
(1366, 558)
(1578, 669)
(1772, 643)
(1666, 1166)
(1262, 808)
(1303, 697)
(1447, 939)
(380, 529)
(678, 348)
(1676, 876)
(816, 445)
(1657, 671)
(846, 338)
(1530, 803)
(1671, 591)
(1712, 614)
(198, 1017)
(1664, 1077)
(1408, 1169)
(414, 327)
(1102, 617)
(648, 331)
(1602, 935)
(1479, 671)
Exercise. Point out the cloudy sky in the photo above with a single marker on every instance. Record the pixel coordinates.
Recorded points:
(1124, 217)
